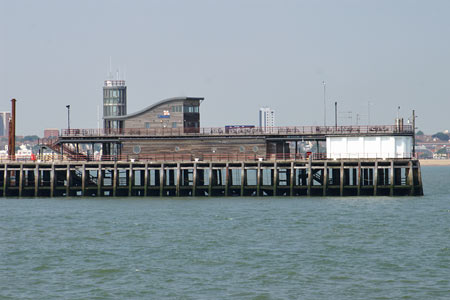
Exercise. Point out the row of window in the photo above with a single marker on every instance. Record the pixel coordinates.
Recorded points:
(111, 93)
(185, 108)
(112, 111)
(114, 101)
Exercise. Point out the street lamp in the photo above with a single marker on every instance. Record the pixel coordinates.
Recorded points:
(68, 118)
(324, 104)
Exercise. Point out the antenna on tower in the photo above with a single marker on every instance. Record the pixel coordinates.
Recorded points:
(110, 68)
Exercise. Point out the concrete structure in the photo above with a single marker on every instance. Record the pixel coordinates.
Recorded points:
(4, 123)
(384, 146)
(266, 118)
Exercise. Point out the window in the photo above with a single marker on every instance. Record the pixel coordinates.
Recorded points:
(174, 124)
(147, 125)
(177, 108)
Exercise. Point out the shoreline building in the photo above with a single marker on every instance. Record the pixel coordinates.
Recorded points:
(266, 118)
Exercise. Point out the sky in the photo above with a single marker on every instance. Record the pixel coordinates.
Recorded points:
(374, 56)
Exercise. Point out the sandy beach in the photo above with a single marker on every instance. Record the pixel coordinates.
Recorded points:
(434, 162)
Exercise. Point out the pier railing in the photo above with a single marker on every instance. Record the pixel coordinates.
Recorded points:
(224, 131)
(213, 157)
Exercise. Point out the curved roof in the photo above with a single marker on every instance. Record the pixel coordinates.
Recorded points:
(148, 108)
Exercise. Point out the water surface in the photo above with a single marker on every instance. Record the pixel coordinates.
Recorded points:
(229, 248)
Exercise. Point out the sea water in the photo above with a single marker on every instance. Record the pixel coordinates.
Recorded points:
(229, 248)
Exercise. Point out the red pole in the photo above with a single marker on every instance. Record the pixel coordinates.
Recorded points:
(12, 132)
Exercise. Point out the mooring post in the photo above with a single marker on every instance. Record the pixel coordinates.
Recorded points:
(325, 178)
(275, 178)
(309, 183)
(375, 179)
(291, 180)
(20, 180)
(130, 179)
(83, 180)
(391, 192)
(358, 180)
(146, 180)
(242, 178)
(341, 181)
(67, 180)
(52, 180)
(210, 179)
(162, 177)
(411, 178)
(258, 180)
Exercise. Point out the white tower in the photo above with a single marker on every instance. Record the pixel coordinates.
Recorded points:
(266, 118)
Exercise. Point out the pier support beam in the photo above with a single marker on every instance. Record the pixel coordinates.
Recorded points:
(341, 181)
(20, 180)
(52, 180)
(242, 178)
(258, 180)
(275, 178)
(325, 179)
(130, 180)
(99, 180)
(309, 177)
(291, 180)
(83, 180)
(227, 179)
(375, 179)
(391, 190)
(115, 180)
(161, 180)
(146, 180)
(411, 178)
(5, 180)
(68, 181)
(194, 180)
(210, 180)
(358, 180)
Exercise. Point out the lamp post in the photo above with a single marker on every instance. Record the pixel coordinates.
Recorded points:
(68, 118)
(324, 104)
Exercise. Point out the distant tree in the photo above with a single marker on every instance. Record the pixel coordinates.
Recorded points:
(30, 138)
(420, 132)
(442, 136)
(442, 151)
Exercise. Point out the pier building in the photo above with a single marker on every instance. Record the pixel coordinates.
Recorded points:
(162, 150)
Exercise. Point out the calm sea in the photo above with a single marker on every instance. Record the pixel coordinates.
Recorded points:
(229, 248)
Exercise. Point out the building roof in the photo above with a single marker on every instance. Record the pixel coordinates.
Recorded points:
(148, 108)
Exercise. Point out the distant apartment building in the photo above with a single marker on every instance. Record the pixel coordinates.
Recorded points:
(266, 118)
(51, 132)
(4, 123)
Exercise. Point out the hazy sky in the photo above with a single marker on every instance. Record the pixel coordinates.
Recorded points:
(239, 55)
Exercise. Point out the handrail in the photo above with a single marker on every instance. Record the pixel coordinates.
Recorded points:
(212, 157)
(250, 130)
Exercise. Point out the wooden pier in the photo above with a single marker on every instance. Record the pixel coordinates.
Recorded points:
(349, 177)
